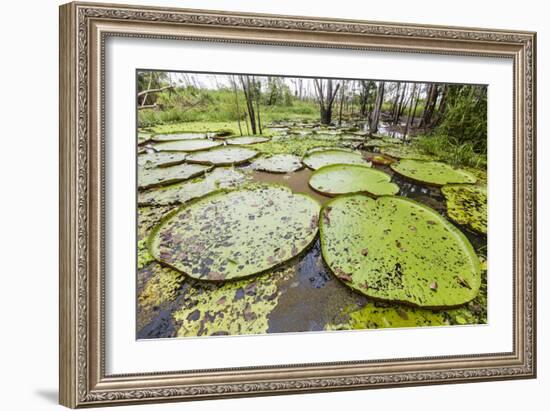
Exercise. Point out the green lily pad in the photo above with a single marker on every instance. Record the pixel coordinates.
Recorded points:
(376, 142)
(244, 140)
(467, 205)
(278, 163)
(330, 148)
(351, 178)
(236, 234)
(158, 176)
(143, 138)
(404, 152)
(187, 145)
(162, 159)
(231, 308)
(432, 172)
(218, 178)
(323, 158)
(178, 136)
(226, 155)
(396, 249)
(296, 146)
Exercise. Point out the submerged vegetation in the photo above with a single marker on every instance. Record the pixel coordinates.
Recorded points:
(271, 204)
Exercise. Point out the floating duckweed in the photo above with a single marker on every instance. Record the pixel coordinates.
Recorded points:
(467, 205)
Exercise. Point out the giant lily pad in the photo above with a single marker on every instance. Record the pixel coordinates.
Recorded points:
(399, 250)
(231, 308)
(330, 148)
(158, 176)
(244, 140)
(351, 178)
(178, 136)
(187, 145)
(235, 234)
(467, 205)
(432, 172)
(218, 178)
(323, 158)
(404, 152)
(225, 155)
(278, 163)
(162, 159)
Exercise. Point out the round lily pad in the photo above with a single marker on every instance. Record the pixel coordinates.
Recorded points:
(225, 155)
(376, 142)
(162, 159)
(278, 163)
(329, 148)
(187, 145)
(143, 138)
(327, 157)
(404, 152)
(218, 178)
(351, 178)
(467, 205)
(396, 249)
(158, 176)
(432, 172)
(178, 136)
(244, 140)
(234, 234)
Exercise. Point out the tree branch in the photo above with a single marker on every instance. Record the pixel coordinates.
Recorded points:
(154, 90)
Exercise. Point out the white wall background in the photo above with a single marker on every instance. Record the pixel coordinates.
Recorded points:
(29, 187)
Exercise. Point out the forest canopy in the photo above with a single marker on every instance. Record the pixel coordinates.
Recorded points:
(447, 120)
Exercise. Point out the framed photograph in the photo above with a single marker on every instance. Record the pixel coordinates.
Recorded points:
(259, 204)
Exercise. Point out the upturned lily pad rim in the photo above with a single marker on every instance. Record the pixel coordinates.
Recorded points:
(171, 213)
(159, 149)
(229, 139)
(469, 249)
(265, 157)
(225, 163)
(175, 180)
(365, 192)
(306, 156)
(428, 183)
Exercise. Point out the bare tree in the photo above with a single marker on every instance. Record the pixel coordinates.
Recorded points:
(326, 92)
(249, 97)
(375, 115)
(234, 84)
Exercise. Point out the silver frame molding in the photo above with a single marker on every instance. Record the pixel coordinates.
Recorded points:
(84, 27)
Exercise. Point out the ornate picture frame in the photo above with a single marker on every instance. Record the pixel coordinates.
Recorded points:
(84, 28)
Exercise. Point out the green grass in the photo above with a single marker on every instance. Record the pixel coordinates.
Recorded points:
(451, 151)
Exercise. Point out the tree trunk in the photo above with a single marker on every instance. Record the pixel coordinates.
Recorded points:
(325, 99)
(375, 115)
(410, 113)
(237, 104)
(342, 95)
(245, 81)
(429, 106)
